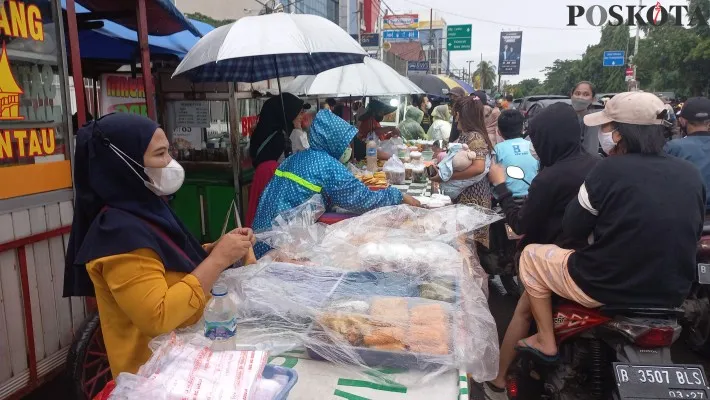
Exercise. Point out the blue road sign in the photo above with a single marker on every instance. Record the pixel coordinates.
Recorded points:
(614, 59)
(400, 36)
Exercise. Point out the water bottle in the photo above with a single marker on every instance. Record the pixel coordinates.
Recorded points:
(371, 154)
(220, 317)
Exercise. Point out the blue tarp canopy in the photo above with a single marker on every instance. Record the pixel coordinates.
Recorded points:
(114, 42)
(123, 12)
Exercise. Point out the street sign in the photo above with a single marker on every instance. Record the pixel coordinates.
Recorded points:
(629, 74)
(368, 39)
(458, 44)
(400, 36)
(458, 37)
(417, 67)
(614, 59)
(458, 31)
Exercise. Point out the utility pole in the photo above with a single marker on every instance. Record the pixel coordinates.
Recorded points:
(636, 45)
(359, 22)
(382, 43)
(469, 71)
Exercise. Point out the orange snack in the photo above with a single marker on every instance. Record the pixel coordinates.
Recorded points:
(381, 336)
(432, 314)
(428, 335)
(390, 309)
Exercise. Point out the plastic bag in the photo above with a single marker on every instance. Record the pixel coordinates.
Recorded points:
(394, 170)
(179, 369)
(390, 146)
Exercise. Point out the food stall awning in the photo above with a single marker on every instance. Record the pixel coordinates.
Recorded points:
(118, 43)
(123, 12)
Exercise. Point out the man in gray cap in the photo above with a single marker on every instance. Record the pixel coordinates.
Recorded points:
(694, 122)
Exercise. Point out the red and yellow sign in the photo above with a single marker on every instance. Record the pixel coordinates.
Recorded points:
(19, 143)
(123, 93)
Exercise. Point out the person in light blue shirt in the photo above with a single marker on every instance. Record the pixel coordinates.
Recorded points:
(515, 151)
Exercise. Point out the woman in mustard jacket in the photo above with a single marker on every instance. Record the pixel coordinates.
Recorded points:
(127, 248)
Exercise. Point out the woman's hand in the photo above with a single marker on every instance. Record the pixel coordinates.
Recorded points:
(232, 247)
(409, 200)
(496, 174)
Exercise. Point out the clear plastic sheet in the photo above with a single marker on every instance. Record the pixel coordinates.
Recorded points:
(396, 287)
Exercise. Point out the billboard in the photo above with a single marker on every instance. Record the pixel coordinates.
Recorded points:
(400, 21)
(417, 67)
(368, 40)
(400, 36)
(509, 58)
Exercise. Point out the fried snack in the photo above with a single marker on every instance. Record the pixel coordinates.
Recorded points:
(432, 315)
(427, 335)
(389, 309)
(381, 336)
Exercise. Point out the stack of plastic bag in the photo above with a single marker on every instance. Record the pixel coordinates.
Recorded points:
(179, 369)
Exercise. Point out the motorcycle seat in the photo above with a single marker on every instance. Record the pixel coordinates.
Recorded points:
(706, 228)
(642, 312)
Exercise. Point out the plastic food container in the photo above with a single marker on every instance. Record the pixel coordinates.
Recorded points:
(415, 156)
(395, 177)
(419, 174)
(274, 372)
(320, 346)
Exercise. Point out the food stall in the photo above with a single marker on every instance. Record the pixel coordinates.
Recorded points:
(387, 305)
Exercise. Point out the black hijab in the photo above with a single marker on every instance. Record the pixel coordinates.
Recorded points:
(555, 133)
(114, 212)
(268, 141)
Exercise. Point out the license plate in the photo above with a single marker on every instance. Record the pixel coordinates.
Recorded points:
(661, 381)
(511, 233)
(704, 274)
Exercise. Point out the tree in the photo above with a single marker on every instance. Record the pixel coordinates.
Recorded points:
(526, 87)
(486, 72)
(209, 20)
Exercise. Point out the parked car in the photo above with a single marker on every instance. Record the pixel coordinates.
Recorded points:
(534, 107)
(527, 102)
(516, 103)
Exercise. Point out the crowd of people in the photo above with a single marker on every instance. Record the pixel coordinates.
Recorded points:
(602, 193)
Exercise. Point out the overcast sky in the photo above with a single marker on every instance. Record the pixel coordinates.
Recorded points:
(540, 47)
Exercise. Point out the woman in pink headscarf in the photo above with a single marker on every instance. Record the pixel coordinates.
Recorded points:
(490, 116)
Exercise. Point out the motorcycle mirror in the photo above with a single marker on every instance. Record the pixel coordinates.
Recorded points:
(515, 172)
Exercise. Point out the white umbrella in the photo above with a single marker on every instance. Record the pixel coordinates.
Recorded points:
(270, 46)
(371, 78)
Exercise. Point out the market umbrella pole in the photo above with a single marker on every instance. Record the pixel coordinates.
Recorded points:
(283, 108)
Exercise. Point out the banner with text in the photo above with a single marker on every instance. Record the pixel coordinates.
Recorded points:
(122, 93)
(400, 21)
(510, 50)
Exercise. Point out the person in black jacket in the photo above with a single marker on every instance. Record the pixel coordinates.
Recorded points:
(564, 165)
(641, 210)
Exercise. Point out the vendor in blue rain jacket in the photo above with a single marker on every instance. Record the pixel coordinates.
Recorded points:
(318, 170)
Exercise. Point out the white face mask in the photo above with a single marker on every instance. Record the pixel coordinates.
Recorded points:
(164, 181)
(606, 140)
(428, 106)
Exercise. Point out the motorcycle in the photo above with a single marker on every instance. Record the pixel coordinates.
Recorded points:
(696, 308)
(619, 352)
(610, 353)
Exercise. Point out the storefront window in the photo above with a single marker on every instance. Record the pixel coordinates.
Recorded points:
(31, 92)
(33, 121)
